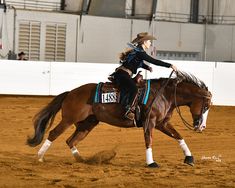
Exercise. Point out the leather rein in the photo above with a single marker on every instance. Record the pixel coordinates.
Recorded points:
(188, 125)
(155, 99)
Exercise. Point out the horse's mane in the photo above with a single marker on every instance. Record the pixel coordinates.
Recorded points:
(187, 77)
(190, 78)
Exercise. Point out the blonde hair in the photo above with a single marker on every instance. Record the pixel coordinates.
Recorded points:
(123, 55)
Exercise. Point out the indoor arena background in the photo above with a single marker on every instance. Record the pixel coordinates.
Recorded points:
(67, 46)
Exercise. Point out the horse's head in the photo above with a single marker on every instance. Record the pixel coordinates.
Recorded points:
(199, 109)
(200, 100)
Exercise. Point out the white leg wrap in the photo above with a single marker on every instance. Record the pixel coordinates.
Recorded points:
(44, 148)
(149, 156)
(184, 147)
(74, 150)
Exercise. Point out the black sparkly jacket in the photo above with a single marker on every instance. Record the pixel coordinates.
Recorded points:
(135, 59)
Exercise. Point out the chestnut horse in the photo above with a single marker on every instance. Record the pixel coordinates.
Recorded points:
(165, 95)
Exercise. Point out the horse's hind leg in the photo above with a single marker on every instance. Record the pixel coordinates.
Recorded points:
(82, 130)
(169, 130)
(57, 131)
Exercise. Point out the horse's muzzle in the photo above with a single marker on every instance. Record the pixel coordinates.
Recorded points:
(200, 123)
(197, 123)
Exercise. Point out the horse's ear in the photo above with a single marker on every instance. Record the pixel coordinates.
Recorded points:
(209, 94)
(205, 93)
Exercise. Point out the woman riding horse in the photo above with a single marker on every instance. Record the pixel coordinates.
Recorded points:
(78, 107)
(131, 60)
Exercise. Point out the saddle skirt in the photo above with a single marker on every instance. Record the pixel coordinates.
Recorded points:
(109, 93)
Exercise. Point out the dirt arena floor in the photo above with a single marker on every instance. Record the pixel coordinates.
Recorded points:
(214, 152)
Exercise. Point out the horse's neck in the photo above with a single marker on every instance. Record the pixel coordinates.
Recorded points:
(163, 90)
(185, 93)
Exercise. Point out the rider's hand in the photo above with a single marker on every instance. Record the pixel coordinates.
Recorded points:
(174, 67)
(150, 69)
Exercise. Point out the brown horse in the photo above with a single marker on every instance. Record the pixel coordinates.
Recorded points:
(78, 108)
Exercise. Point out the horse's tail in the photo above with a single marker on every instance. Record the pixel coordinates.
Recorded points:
(44, 117)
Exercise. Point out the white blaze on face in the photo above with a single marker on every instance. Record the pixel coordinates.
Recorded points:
(204, 118)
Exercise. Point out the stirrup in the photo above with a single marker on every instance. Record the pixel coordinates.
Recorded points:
(129, 114)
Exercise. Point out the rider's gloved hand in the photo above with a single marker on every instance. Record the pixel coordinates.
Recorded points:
(174, 67)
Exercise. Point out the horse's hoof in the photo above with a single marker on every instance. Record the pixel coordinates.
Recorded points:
(153, 165)
(189, 160)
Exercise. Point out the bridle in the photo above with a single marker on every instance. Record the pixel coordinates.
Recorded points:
(203, 109)
(188, 125)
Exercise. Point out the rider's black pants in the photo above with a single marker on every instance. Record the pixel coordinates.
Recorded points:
(126, 84)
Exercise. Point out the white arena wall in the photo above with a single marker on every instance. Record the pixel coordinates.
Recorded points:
(52, 78)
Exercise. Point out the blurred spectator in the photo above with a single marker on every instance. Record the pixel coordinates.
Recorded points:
(11, 55)
(21, 56)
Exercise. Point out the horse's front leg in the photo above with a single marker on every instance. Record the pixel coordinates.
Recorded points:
(169, 130)
(148, 136)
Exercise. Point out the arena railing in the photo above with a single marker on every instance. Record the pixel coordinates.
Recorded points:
(35, 4)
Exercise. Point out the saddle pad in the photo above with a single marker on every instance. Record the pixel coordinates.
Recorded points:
(108, 93)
